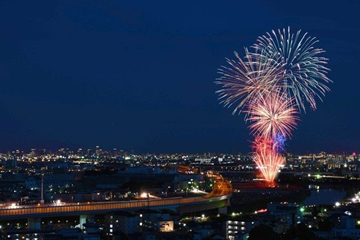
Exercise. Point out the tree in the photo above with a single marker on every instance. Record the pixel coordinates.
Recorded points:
(263, 232)
(315, 212)
(305, 233)
(325, 225)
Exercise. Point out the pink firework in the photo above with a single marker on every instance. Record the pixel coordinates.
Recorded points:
(267, 158)
(244, 80)
(271, 84)
(272, 114)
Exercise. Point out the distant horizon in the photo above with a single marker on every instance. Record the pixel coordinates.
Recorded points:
(143, 153)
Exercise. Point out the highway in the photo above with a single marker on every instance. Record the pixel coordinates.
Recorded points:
(222, 187)
(89, 207)
(222, 190)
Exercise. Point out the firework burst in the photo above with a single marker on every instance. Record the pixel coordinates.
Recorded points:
(273, 83)
(272, 114)
(302, 69)
(244, 80)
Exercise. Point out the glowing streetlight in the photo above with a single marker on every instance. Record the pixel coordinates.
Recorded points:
(144, 195)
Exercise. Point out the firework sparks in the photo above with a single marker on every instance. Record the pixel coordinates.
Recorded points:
(267, 159)
(279, 141)
(302, 68)
(272, 114)
(273, 83)
(245, 79)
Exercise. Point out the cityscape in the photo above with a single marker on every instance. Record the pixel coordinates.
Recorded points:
(115, 194)
(191, 120)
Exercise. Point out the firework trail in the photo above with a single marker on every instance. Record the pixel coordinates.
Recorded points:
(267, 158)
(269, 163)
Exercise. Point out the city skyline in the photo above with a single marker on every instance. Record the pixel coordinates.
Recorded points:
(94, 149)
(85, 74)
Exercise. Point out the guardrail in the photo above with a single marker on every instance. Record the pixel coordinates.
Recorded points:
(222, 189)
(88, 207)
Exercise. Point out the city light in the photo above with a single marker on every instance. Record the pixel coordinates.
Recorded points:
(144, 195)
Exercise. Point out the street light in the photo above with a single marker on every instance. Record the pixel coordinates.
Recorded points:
(144, 195)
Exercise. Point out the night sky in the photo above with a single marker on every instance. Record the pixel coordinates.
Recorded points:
(139, 75)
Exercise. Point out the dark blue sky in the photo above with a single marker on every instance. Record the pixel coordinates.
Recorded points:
(140, 74)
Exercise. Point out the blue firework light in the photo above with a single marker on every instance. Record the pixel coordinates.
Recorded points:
(279, 142)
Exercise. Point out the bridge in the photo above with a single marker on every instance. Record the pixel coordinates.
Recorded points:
(218, 198)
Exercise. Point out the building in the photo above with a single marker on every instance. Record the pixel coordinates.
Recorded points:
(238, 227)
(346, 228)
(154, 220)
(286, 213)
(126, 222)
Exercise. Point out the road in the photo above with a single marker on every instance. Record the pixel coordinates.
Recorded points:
(222, 190)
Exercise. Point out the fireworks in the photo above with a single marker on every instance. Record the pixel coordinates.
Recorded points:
(272, 114)
(272, 83)
(302, 69)
(246, 79)
(267, 157)
(268, 161)
(279, 142)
